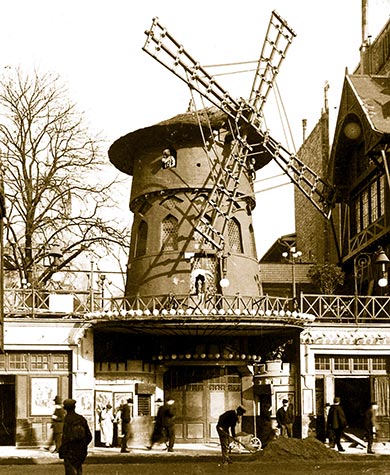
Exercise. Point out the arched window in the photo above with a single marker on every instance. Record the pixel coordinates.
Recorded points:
(142, 237)
(234, 233)
(169, 233)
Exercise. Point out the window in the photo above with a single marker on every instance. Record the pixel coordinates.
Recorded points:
(17, 361)
(60, 362)
(360, 364)
(378, 364)
(351, 364)
(169, 156)
(144, 405)
(39, 362)
(234, 233)
(341, 363)
(369, 204)
(169, 233)
(34, 362)
(142, 236)
(322, 363)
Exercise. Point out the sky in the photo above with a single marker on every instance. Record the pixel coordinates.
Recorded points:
(96, 48)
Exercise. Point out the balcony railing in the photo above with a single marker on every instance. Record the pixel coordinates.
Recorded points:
(36, 303)
(324, 308)
(346, 308)
(33, 303)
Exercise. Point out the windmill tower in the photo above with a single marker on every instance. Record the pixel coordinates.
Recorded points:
(192, 265)
(192, 194)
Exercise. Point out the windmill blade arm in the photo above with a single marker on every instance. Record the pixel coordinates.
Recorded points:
(167, 51)
(317, 190)
(278, 38)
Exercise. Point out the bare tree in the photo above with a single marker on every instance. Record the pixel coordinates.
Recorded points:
(58, 183)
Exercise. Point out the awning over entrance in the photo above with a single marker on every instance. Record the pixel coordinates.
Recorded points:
(197, 327)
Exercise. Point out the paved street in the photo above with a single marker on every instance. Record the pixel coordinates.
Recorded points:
(161, 467)
(193, 460)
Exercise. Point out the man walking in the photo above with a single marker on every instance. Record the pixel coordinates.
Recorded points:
(57, 425)
(158, 431)
(75, 439)
(336, 424)
(369, 425)
(227, 422)
(168, 423)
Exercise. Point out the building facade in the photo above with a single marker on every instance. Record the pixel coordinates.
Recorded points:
(195, 323)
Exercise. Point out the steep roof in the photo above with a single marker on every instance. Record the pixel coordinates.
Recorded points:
(183, 130)
(365, 100)
(373, 94)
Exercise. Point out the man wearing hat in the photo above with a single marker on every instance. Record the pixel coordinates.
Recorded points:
(57, 425)
(285, 419)
(337, 422)
(75, 439)
(126, 418)
(227, 422)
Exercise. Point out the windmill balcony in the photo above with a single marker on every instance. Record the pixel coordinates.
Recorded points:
(86, 304)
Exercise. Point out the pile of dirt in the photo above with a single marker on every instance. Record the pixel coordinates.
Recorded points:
(298, 449)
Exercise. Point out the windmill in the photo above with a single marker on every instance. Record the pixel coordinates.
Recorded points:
(246, 123)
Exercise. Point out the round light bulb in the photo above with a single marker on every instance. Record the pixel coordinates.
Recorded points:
(382, 282)
(224, 283)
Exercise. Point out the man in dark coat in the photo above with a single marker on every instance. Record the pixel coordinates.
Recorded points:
(57, 425)
(127, 418)
(337, 422)
(285, 419)
(75, 439)
(158, 432)
(168, 423)
(227, 422)
(369, 425)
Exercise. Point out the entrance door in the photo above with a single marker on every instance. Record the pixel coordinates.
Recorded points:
(7, 410)
(201, 394)
(355, 398)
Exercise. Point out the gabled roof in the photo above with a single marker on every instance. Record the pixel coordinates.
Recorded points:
(365, 101)
(373, 94)
(282, 244)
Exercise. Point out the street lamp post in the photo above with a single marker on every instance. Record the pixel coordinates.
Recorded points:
(292, 255)
(363, 261)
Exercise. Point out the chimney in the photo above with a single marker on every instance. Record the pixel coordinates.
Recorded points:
(365, 47)
(304, 126)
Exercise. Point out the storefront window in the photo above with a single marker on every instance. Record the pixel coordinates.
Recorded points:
(360, 364)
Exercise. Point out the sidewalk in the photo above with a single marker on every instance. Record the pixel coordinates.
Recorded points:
(10, 455)
(138, 454)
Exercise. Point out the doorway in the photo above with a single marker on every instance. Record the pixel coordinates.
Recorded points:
(7, 410)
(201, 394)
(355, 397)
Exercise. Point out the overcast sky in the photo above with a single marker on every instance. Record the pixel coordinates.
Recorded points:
(96, 47)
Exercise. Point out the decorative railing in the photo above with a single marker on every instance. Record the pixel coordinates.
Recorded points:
(86, 304)
(36, 303)
(346, 308)
(33, 303)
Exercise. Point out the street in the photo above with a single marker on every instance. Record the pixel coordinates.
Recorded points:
(377, 466)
